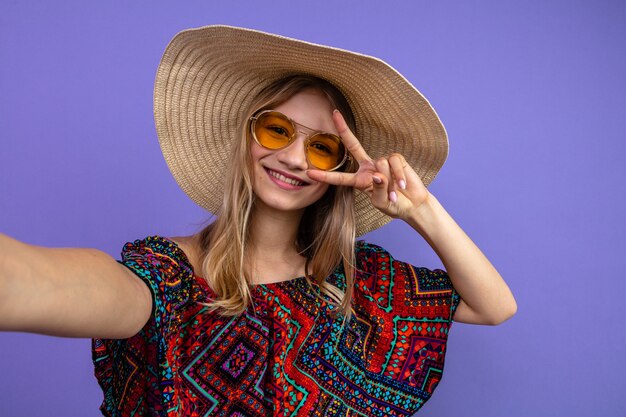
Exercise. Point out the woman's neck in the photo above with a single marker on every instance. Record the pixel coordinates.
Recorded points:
(272, 254)
(273, 232)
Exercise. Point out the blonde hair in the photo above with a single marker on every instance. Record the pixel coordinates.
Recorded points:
(326, 235)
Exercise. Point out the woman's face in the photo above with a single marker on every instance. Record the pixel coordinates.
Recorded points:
(279, 176)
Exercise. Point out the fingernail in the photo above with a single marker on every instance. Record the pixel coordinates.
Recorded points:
(402, 184)
(393, 196)
(377, 180)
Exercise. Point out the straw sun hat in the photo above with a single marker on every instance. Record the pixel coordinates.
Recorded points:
(208, 77)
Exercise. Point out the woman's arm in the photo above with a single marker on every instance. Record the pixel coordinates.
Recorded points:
(399, 192)
(485, 297)
(395, 189)
(69, 292)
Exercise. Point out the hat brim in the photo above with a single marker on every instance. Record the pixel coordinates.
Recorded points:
(209, 76)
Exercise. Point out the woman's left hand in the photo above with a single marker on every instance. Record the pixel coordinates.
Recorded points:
(391, 183)
(485, 297)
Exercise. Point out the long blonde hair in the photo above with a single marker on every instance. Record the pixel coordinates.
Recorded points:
(326, 236)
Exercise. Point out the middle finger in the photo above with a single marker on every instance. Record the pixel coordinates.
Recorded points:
(382, 166)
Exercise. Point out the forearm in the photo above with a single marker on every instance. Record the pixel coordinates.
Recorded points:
(68, 292)
(479, 284)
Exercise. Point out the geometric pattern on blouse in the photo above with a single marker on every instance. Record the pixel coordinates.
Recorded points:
(289, 354)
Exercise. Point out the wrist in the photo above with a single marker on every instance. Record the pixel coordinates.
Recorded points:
(427, 217)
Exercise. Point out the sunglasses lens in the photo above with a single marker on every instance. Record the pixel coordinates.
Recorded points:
(273, 130)
(325, 151)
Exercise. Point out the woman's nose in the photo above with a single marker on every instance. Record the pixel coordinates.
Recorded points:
(293, 156)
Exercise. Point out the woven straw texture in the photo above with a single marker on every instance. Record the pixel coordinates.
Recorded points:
(208, 77)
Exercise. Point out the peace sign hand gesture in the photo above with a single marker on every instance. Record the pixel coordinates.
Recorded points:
(391, 183)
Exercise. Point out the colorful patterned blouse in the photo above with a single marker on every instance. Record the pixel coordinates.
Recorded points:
(287, 355)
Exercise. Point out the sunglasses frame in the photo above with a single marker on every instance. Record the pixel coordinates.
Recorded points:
(258, 114)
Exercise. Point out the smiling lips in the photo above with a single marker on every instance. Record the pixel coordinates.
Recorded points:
(283, 181)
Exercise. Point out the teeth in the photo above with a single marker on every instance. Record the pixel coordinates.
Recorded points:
(285, 179)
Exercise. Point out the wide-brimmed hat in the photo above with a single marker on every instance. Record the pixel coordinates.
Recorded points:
(209, 76)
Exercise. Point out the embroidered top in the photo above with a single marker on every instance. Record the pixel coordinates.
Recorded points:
(286, 355)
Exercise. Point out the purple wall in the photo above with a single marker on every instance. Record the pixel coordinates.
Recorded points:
(532, 94)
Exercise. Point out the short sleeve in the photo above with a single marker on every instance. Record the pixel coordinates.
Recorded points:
(403, 317)
(396, 286)
(135, 373)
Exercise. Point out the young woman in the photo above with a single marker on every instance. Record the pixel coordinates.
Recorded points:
(275, 308)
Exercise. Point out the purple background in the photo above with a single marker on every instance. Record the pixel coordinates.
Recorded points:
(533, 95)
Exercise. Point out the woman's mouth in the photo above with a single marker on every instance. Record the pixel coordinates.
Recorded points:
(284, 181)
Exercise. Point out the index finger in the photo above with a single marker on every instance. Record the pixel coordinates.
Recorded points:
(349, 140)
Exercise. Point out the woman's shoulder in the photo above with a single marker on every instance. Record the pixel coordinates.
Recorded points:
(365, 247)
(190, 248)
(367, 253)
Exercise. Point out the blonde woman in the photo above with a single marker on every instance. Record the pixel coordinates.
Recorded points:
(274, 308)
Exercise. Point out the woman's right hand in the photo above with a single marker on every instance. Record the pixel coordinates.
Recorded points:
(69, 292)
